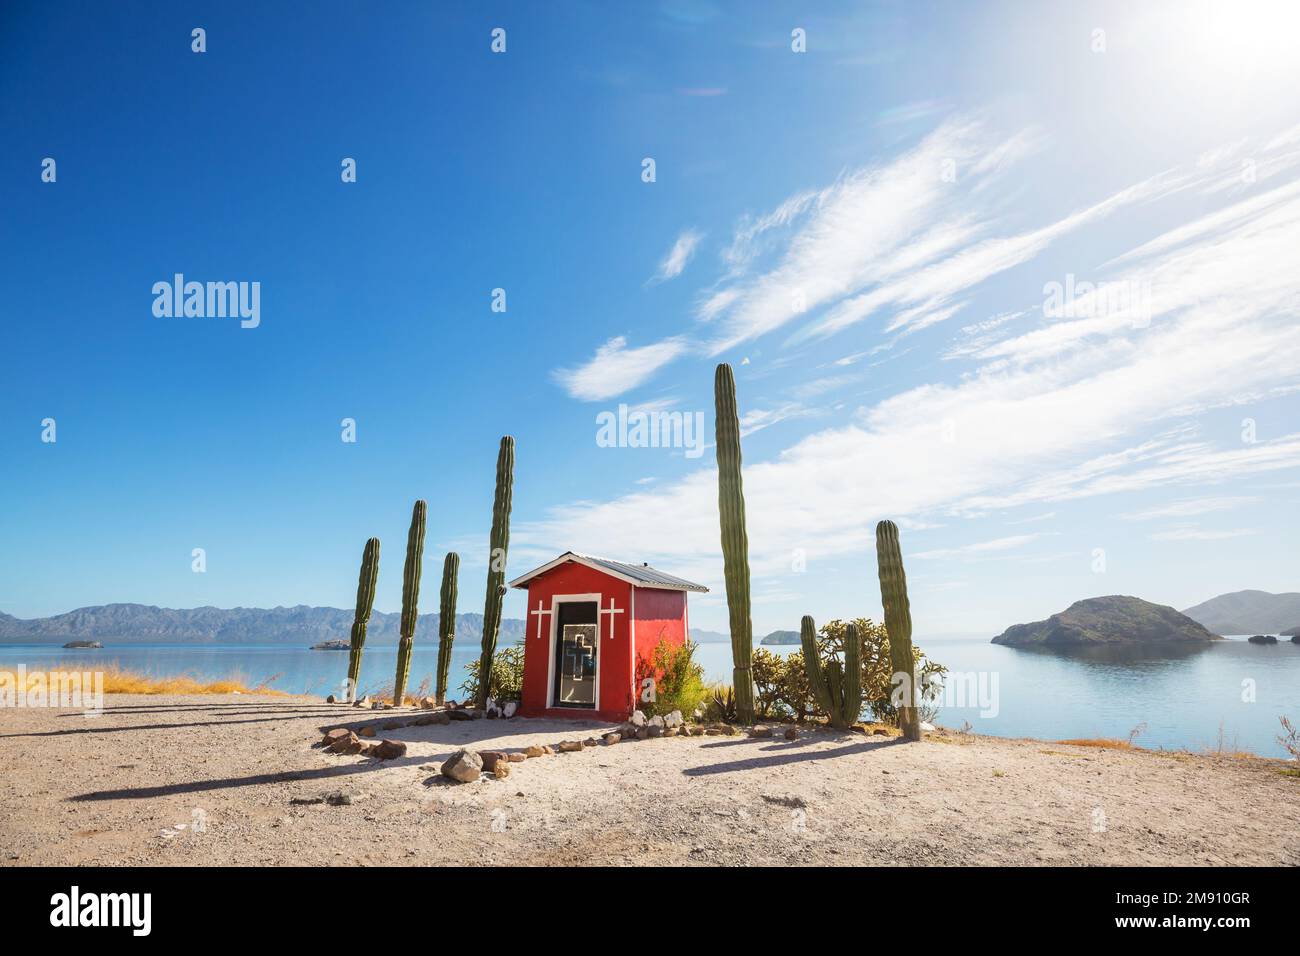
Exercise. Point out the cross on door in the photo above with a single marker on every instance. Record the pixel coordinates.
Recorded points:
(611, 611)
(539, 612)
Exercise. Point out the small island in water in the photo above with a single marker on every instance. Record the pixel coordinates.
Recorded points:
(1115, 619)
(91, 644)
(781, 637)
(332, 646)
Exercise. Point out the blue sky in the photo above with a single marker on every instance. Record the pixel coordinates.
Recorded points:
(868, 231)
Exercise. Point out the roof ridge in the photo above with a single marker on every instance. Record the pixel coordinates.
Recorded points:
(641, 575)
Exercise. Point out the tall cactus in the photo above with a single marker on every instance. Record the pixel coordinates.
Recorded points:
(498, 546)
(446, 620)
(365, 602)
(838, 690)
(898, 624)
(410, 598)
(735, 540)
(851, 701)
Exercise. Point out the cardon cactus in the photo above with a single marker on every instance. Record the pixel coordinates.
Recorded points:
(410, 598)
(838, 691)
(498, 545)
(898, 624)
(365, 602)
(735, 540)
(446, 620)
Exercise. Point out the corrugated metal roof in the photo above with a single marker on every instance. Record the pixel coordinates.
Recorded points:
(639, 574)
(645, 573)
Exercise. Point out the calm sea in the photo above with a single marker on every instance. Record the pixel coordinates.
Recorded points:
(1228, 694)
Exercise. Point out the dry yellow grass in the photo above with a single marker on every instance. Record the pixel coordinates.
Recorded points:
(1109, 743)
(118, 680)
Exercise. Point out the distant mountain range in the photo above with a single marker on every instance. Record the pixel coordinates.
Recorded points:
(1248, 612)
(140, 623)
(1115, 619)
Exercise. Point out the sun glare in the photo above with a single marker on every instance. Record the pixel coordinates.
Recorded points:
(1246, 38)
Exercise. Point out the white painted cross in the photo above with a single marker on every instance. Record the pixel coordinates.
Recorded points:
(611, 611)
(539, 612)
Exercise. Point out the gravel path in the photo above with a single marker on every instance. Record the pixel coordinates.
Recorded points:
(130, 786)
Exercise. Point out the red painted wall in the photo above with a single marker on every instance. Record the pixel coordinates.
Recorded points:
(614, 658)
(659, 613)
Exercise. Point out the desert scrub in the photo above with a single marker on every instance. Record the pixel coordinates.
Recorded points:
(678, 680)
(720, 704)
(1289, 738)
(781, 687)
(507, 680)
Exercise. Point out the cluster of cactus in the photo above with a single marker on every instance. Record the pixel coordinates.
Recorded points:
(498, 545)
(735, 539)
(837, 688)
(446, 621)
(365, 602)
(410, 598)
(898, 625)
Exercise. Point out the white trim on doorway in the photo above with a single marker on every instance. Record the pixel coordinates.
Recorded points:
(556, 601)
(631, 647)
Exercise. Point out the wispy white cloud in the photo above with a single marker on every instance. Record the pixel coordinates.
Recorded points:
(1034, 519)
(1084, 411)
(616, 369)
(678, 256)
(1190, 507)
(1198, 534)
(872, 223)
(757, 419)
(1008, 543)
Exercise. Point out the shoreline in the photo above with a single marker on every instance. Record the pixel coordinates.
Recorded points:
(1047, 697)
(166, 780)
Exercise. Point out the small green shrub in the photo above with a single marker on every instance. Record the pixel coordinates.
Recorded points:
(678, 679)
(781, 688)
(720, 704)
(507, 680)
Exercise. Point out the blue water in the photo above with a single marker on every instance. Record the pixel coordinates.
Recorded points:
(1179, 698)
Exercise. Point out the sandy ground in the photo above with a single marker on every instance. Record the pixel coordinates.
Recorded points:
(127, 788)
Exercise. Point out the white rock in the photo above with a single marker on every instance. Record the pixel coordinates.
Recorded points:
(656, 721)
(638, 719)
(927, 726)
(510, 708)
(674, 719)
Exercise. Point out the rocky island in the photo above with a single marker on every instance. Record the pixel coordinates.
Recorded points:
(1115, 619)
(332, 646)
(83, 644)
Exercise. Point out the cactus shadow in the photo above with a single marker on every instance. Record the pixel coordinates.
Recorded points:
(96, 725)
(332, 773)
(779, 755)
